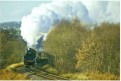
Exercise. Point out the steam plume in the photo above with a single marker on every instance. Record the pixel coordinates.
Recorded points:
(41, 19)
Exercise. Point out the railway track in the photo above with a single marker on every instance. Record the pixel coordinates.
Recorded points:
(44, 74)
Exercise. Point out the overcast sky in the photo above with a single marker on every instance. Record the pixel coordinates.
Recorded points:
(15, 10)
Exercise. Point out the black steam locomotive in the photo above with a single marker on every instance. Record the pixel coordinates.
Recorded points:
(30, 57)
(33, 57)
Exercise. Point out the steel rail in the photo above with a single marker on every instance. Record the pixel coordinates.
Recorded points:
(44, 74)
(56, 76)
(34, 73)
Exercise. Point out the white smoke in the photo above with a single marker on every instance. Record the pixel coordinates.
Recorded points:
(42, 18)
(101, 11)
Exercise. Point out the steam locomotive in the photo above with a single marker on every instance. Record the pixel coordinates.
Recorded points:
(30, 57)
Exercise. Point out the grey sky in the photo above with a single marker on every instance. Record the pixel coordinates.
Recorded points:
(15, 10)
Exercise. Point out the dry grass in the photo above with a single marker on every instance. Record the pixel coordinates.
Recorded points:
(49, 69)
(10, 75)
(91, 76)
(102, 76)
(12, 66)
(76, 76)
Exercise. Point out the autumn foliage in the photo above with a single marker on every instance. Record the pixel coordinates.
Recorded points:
(79, 48)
